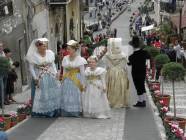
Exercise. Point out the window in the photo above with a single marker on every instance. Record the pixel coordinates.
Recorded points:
(2, 11)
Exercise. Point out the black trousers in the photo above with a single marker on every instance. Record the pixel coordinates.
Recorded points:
(139, 83)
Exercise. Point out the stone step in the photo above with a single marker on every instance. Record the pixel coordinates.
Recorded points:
(179, 109)
(178, 102)
(176, 91)
(178, 115)
(179, 97)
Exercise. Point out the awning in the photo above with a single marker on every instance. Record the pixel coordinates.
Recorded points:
(146, 28)
(176, 21)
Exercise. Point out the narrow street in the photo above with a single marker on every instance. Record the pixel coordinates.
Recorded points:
(125, 124)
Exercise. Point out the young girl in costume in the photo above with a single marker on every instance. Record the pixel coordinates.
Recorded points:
(95, 103)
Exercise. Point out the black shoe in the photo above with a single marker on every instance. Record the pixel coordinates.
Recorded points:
(140, 104)
(144, 103)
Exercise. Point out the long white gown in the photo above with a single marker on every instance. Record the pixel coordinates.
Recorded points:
(95, 102)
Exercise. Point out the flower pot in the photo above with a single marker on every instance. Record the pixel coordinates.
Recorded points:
(14, 121)
(2, 126)
(7, 119)
(181, 121)
(164, 98)
(154, 86)
(21, 117)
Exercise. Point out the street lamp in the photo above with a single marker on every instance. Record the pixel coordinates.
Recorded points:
(180, 4)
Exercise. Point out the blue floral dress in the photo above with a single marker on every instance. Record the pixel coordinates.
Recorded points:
(46, 95)
(72, 86)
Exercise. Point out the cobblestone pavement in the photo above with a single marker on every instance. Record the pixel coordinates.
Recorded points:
(87, 129)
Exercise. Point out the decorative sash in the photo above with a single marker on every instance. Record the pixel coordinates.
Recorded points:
(72, 75)
(93, 77)
(44, 70)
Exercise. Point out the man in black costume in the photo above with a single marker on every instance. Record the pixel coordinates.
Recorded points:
(138, 62)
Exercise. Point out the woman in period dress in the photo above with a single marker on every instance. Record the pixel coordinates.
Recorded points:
(73, 81)
(116, 77)
(45, 91)
(95, 102)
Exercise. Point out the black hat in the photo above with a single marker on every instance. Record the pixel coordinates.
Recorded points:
(135, 42)
(6, 50)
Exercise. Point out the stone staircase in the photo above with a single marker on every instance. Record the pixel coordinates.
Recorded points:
(180, 93)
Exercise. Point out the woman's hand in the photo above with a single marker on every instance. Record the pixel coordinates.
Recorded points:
(104, 90)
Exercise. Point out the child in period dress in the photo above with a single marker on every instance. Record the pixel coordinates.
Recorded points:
(95, 102)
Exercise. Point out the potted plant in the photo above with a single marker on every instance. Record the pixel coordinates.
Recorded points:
(153, 53)
(174, 72)
(161, 60)
(21, 112)
(14, 118)
(2, 124)
(4, 68)
(7, 121)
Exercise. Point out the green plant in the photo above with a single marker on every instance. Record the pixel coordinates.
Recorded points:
(87, 39)
(152, 51)
(166, 28)
(161, 59)
(174, 72)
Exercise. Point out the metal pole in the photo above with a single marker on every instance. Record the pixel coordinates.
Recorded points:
(2, 94)
(180, 22)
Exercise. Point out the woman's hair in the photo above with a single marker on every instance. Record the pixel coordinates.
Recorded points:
(93, 57)
(6, 50)
(16, 64)
(39, 43)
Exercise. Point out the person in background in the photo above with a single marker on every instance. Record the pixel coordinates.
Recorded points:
(3, 136)
(2, 54)
(138, 62)
(63, 52)
(178, 49)
(8, 55)
(12, 78)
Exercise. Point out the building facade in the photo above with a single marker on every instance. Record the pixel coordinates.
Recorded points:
(13, 35)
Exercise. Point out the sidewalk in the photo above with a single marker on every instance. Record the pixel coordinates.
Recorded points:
(20, 98)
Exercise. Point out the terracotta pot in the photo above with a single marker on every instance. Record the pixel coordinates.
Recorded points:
(14, 121)
(7, 119)
(21, 117)
(181, 121)
(164, 98)
(154, 86)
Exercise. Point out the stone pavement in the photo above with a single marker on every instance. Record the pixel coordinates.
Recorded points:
(20, 99)
(87, 129)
